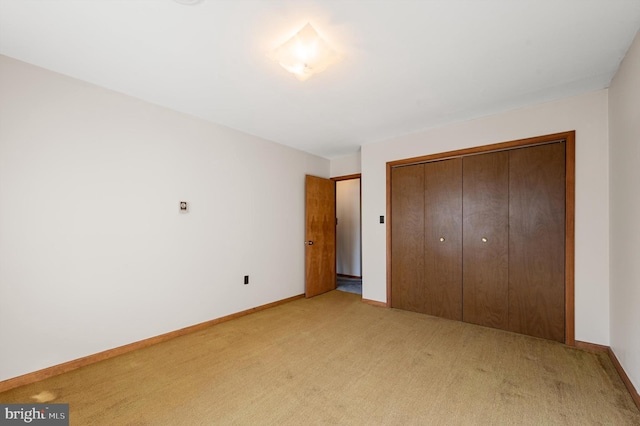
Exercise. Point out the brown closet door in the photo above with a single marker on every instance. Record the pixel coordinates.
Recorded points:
(443, 238)
(485, 239)
(536, 241)
(407, 238)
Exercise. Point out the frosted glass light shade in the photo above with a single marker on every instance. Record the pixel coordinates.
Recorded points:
(305, 54)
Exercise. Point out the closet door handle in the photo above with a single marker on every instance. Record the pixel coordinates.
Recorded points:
(442, 239)
(484, 239)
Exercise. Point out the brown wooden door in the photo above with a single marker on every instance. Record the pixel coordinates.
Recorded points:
(485, 239)
(320, 238)
(514, 232)
(407, 238)
(443, 238)
(536, 241)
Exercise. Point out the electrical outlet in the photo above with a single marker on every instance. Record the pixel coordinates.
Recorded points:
(246, 279)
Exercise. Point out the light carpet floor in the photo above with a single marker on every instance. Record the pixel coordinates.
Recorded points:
(335, 360)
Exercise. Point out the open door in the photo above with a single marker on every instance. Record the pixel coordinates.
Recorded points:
(320, 238)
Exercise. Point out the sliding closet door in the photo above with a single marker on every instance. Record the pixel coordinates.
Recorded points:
(443, 238)
(536, 241)
(486, 238)
(407, 238)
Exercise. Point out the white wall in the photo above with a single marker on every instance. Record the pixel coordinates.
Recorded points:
(345, 165)
(624, 134)
(587, 115)
(94, 253)
(348, 251)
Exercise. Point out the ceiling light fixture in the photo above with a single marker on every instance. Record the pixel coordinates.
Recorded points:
(305, 54)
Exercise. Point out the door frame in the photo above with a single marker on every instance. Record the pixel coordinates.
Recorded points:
(570, 184)
(341, 178)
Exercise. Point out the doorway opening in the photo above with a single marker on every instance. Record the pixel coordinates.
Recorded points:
(348, 234)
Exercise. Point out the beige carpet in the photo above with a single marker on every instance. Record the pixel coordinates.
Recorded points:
(334, 360)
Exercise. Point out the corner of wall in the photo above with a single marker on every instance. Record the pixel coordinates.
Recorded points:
(346, 165)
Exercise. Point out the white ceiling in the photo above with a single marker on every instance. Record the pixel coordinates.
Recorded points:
(407, 65)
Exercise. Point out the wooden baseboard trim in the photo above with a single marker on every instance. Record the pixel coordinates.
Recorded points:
(374, 303)
(592, 347)
(55, 370)
(625, 379)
